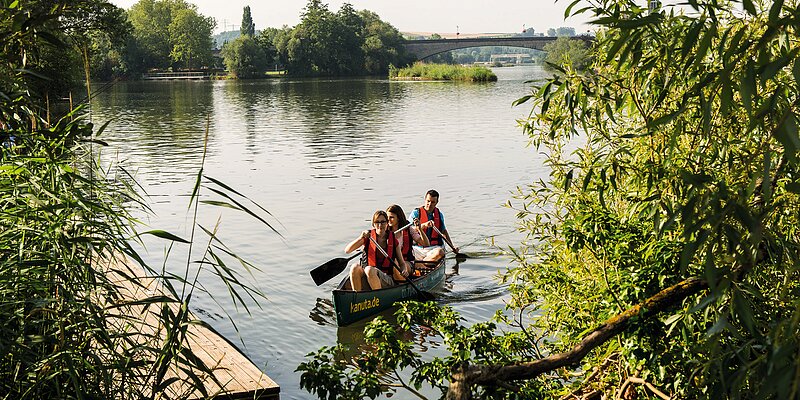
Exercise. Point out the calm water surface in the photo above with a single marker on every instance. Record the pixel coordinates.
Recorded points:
(322, 156)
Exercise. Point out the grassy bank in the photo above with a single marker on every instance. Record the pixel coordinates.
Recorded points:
(442, 72)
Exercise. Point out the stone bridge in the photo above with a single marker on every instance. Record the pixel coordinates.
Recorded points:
(422, 49)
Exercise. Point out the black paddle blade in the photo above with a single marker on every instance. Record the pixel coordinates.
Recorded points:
(425, 296)
(330, 269)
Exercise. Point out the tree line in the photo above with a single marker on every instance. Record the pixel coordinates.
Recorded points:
(346, 42)
(173, 34)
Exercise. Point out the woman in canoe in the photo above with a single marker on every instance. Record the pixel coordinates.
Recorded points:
(407, 237)
(377, 269)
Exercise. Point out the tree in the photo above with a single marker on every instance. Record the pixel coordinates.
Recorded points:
(382, 45)
(245, 58)
(551, 32)
(344, 43)
(53, 55)
(662, 253)
(567, 52)
(266, 39)
(190, 36)
(170, 31)
(248, 27)
(565, 31)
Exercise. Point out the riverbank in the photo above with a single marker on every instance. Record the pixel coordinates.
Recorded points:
(442, 72)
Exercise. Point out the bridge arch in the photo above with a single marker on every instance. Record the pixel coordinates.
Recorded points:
(422, 49)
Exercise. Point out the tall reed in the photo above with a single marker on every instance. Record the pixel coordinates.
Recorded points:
(78, 314)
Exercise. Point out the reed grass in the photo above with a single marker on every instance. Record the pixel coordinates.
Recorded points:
(68, 327)
(442, 72)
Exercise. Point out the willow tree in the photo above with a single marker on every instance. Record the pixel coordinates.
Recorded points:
(662, 252)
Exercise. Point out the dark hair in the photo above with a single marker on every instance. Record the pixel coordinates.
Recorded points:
(432, 193)
(378, 214)
(401, 216)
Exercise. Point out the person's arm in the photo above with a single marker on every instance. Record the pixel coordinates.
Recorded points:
(405, 270)
(421, 238)
(357, 242)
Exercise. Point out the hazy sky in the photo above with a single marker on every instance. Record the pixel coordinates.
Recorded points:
(440, 16)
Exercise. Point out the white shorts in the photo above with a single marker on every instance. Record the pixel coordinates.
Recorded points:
(421, 252)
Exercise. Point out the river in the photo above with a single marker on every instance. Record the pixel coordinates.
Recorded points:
(321, 155)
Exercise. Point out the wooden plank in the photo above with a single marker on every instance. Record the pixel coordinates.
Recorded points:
(238, 377)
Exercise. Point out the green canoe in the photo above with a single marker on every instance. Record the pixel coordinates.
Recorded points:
(351, 306)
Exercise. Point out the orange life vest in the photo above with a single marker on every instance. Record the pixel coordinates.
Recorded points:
(374, 257)
(436, 240)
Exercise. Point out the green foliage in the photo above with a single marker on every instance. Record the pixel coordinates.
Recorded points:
(244, 58)
(443, 72)
(69, 326)
(51, 55)
(342, 43)
(683, 169)
(330, 375)
(248, 27)
(171, 31)
(673, 158)
(190, 35)
(565, 52)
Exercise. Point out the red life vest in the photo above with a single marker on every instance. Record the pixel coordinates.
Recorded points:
(436, 240)
(374, 257)
(408, 255)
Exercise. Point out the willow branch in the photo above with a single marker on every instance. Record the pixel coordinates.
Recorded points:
(465, 376)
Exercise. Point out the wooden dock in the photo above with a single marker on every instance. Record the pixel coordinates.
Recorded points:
(166, 76)
(234, 375)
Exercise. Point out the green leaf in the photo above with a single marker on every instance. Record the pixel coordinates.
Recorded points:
(749, 7)
(568, 180)
(569, 8)
(796, 71)
(743, 310)
(164, 235)
(775, 11)
(747, 88)
(787, 135)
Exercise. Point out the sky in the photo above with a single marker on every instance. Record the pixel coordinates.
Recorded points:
(429, 16)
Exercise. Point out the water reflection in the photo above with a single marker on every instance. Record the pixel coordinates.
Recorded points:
(322, 155)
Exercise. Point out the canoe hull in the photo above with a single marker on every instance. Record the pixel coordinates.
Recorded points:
(351, 306)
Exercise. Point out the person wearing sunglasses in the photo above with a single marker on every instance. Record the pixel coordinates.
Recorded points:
(377, 268)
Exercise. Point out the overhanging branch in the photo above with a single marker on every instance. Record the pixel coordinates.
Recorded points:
(468, 375)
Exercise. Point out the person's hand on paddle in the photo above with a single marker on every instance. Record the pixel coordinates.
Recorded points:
(406, 270)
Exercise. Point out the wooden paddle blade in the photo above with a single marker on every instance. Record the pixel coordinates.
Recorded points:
(330, 269)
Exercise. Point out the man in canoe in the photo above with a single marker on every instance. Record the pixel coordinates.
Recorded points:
(378, 269)
(432, 223)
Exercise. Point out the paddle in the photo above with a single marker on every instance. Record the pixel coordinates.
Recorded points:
(334, 267)
(458, 255)
(424, 296)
